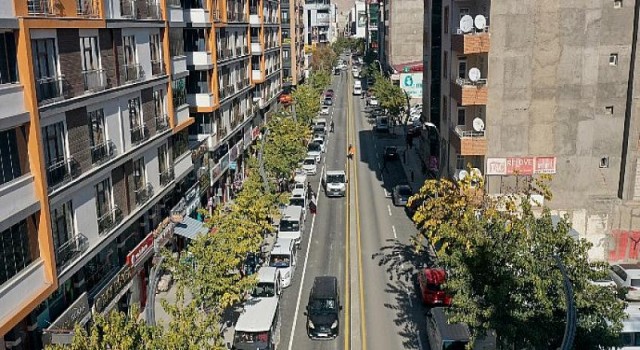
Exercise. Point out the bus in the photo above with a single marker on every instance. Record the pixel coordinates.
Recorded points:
(258, 326)
(445, 336)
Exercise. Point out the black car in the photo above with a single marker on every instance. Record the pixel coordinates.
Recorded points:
(401, 194)
(328, 101)
(390, 153)
(323, 309)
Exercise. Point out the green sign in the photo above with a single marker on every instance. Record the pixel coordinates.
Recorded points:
(405, 70)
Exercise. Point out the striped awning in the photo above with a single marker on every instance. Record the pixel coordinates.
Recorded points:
(190, 228)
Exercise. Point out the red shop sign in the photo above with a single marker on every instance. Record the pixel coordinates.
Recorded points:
(140, 250)
(520, 165)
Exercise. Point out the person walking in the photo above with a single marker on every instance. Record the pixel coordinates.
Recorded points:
(312, 205)
(331, 125)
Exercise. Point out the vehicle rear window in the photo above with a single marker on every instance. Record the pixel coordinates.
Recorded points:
(309, 162)
(289, 226)
(314, 147)
(404, 191)
(279, 261)
(297, 202)
(635, 282)
(335, 179)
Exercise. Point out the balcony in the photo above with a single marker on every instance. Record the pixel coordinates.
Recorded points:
(162, 122)
(68, 251)
(178, 65)
(256, 47)
(201, 100)
(133, 72)
(200, 60)
(183, 166)
(139, 134)
(39, 7)
(109, 220)
(61, 172)
(29, 284)
(198, 17)
(166, 176)
(18, 196)
(182, 114)
(154, 11)
(128, 9)
(254, 20)
(102, 152)
(468, 142)
(157, 67)
(94, 80)
(49, 89)
(87, 8)
(469, 93)
(13, 112)
(144, 193)
(471, 43)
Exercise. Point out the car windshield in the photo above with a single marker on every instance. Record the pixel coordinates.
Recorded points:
(299, 202)
(319, 141)
(264, 290)
(289, 226)
(404, 191)
(309, 161)
(323, 305)
(314, 147)
(335, 179)
(383, 121)
(635, 282)
(279, 261)
(251, 337)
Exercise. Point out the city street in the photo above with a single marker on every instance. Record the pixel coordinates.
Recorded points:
(382, 311)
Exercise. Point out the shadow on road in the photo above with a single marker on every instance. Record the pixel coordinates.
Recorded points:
(409, 317)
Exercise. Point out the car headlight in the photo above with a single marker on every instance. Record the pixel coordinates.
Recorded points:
(311, 325)
(334, 324)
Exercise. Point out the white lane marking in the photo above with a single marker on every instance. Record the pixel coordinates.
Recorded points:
(389, 209)
(304, 270)
(386, 194)
(395, 235)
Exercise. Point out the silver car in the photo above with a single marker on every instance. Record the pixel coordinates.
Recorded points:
(401, 195)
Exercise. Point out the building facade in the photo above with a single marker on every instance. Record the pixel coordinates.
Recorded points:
(555, 96)
(403, 23)
(357, 20)
(319, 22)
(292, 44)
(117, 113)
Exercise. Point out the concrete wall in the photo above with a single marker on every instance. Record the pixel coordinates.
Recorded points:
(405, 30)
(549, 83)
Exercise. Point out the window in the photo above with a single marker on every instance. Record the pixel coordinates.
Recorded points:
(135, 118)
(45, 65)
(445, 63)
(158, 103)
(613, 59)
(54, 143)
(9, 156)
(176, 42)
(139, 173)
(462, 68)
(103, 198)
(90, 52)
(15, 252)
(203, 124)
(163, 158)
(154, 48)
(446, 19)
(617, 4)
(129, 44)
(180, 143)
(285, 54)
(8, 61)
(604, 162)
(62, 224)
(460, 162)
(98, 135)
(608, 110)
(445, 108)
(464, 12)
(462, 118)
(285, 34)
(179, 92)
(285, 15)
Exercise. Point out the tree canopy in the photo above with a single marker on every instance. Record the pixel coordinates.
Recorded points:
(285, 145)
(323, 58)
(391, 96)
(306, 102)
(500, 256)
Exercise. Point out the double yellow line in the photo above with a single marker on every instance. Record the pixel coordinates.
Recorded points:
(351, 139)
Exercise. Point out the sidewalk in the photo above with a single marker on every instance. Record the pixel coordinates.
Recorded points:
(413, 166)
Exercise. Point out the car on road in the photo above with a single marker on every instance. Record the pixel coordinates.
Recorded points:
(323, 308)
(284, 258)
(627, 277)
(310, 165)
(330, 91)
(268, 285)
(430, 281)
(300, 176)
(320, 140)
(382, 123)
(320, 121)
(314, 150)
(401, 194)
(357, 90)
(373, 101)
(335, 183)
(324, 110)
(390, 153)
(328, 101)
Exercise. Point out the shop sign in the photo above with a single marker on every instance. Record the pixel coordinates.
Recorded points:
(191, 198)
(76, 313)
(163, 233)
(411, 83)
(521, 165)
(115, 285)
(255, 133)
(139, 253)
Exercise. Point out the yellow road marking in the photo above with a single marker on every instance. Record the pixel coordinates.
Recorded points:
(347, 285)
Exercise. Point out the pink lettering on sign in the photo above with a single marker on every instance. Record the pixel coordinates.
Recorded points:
(496, 166)
(545, 165)
(520, 165)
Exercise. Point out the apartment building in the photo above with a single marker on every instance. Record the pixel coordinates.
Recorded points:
(546, 88)
(292, 44)
(319, 22)
(403, 23)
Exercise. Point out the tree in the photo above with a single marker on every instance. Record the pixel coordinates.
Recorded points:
(306, 102)
(500, 254)
(323, 58)
(391, 96)
(285, 145)
(319, 80)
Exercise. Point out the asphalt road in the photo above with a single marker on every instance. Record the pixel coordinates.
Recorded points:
(374, 271)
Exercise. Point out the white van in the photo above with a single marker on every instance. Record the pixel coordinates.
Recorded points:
(357, 83)
(335, 183)
(268, 285)
(291, 224)
(284, 258)
(357, 90)
(630, 333)
(258, 325)
(299, 199)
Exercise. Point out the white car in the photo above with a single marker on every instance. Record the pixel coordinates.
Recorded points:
(320, 141)
(357, 90)
(417, 107)
(373, 101)
(300, 176)
(324, 110)
(314, 150)
(627, 276)
(310, 166)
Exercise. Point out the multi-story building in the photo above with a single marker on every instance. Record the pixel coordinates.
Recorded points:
(403, 22)
(292, 44)
(546, 89)
(357, 20)
(105, 107)
(319, 22)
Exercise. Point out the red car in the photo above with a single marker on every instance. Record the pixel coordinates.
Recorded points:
(430, 282)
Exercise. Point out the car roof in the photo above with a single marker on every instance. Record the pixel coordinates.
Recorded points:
(267, 274)
(325, 287)
(297, 192)
(435, 276)
(257, 315)
(282, 246)
(291, 212)
(311, 157)
(335, 172)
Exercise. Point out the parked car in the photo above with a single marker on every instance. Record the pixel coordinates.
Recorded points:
(320, 141)
(314, 150)
(324, 110)
(430, 281)
(310, 165)
(373, 101)
(327, 101)
(627, 276)
(390, 153)
(401, 194)
(382, 123)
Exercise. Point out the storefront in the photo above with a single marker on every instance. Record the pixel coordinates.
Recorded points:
(61, 330)
(138, 260)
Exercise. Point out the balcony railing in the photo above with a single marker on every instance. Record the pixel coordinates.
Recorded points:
(162, 122)
(103, 152)
(174, 3)
(153, 10)
(87, 8)
(61, 172)
(109, 220)
(463, 82)
(253, 10)
(139, 134)
(467, 133)
(128, 9)
(39, 7)
(144, 193)
(157, 68)
(94, 80)
(70, 250)
(167, 176)
(216, 15)
(132, 72)
(49, 88)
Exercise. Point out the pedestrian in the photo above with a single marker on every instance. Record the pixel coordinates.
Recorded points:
(312, 205)
(332, 125)
(309, 190)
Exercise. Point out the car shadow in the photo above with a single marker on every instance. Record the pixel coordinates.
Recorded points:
(391, 173)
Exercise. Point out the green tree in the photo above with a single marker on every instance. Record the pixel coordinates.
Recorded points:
(319, 80)
(391, 96)
(323, 58)
(285, 145)
(502, 272)
(306, 103)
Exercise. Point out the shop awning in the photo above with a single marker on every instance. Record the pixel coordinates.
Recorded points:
(189, 228)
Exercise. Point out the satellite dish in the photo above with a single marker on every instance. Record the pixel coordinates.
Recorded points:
(474, 74)
(481, 22)
(462, 174)
(466, 23)
(478, 124)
